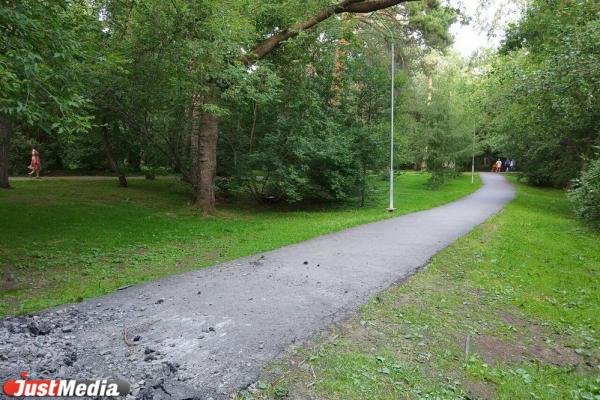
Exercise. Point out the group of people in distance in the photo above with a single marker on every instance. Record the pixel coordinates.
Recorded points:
(509, 165)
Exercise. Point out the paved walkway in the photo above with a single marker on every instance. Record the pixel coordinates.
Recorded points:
(205, 334)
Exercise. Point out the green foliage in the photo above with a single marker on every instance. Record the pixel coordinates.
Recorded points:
(539, 102)
(41, 63)
(585, 196)
(309, 121)
(140, 66)
(312, 120)
(439, 119)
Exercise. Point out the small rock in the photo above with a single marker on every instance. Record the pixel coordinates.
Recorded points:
(137, 338)
(149, 357)
(39, 328)
(70, 359)
(305, 262)
(199, 292)
(148, 350)
(160, 301)
(173, 367)
(99, 305)
(261, 345)
(67, 329)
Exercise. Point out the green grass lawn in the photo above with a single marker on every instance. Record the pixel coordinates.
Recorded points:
(523, 290)
(64, 241)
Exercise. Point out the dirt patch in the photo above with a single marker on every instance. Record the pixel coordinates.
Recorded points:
(210, 255)
(480, 390)
(8, 280)
(515, 321)
(401, 299)
(493, 350)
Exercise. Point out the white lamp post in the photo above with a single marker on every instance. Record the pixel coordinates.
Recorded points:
(393, 58)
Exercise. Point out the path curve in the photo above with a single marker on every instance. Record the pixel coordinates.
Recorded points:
(207, 333)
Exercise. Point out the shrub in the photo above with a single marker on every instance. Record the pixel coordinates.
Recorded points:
(585, 195)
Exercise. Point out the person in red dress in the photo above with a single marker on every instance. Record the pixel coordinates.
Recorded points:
(36, 164)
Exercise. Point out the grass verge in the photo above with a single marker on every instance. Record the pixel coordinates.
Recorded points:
(510, 311)
(64, 241)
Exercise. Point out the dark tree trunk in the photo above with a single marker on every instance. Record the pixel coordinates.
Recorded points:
(203, 142)
(363, 189)
(209, 135)
(5, 131)
(195, 147)
(111, 159)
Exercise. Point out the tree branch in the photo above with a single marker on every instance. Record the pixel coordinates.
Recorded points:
(345, 6)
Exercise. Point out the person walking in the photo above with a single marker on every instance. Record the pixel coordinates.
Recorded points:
(507, 165)
(498, 166)
(36, 164)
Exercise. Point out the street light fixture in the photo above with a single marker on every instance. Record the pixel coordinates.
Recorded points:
(391, 33)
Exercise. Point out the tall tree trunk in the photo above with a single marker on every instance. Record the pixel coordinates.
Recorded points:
(253, 127)
(5, 131)
(205, 127)
(363, 189)
(195, 147)
(337, 81)
(111, 159)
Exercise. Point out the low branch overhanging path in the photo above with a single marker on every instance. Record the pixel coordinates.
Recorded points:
(207, 333)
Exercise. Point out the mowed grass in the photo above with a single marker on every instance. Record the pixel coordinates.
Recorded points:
(511, 311)
(64, 241)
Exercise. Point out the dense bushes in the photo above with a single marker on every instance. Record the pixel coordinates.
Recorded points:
(585, 196)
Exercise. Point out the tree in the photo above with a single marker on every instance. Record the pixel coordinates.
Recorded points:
(41, 59)
(209, 125)
(312, 120)
(440, 118)
(540, 93)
